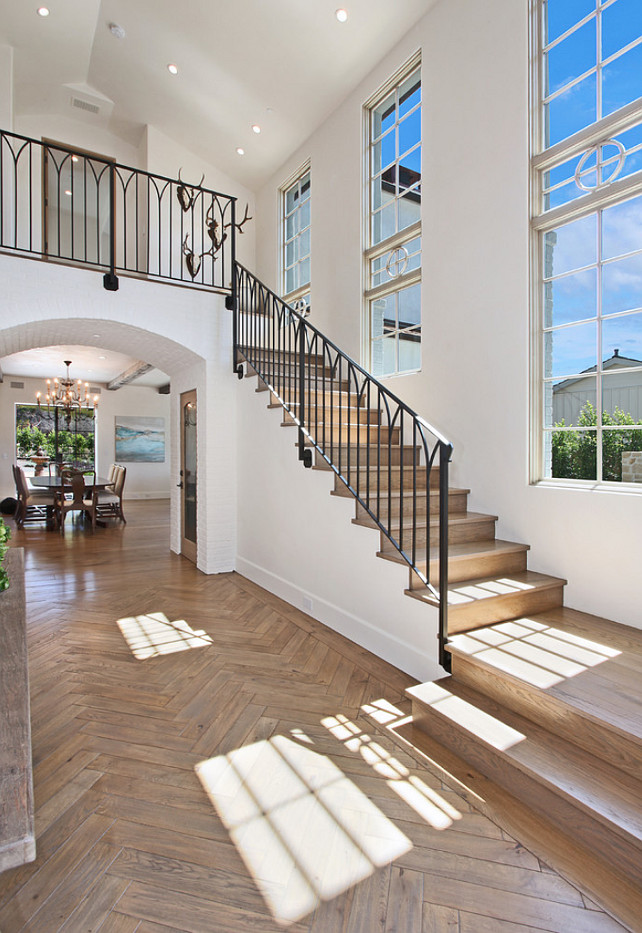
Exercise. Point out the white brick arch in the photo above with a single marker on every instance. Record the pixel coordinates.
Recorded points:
(185, 333)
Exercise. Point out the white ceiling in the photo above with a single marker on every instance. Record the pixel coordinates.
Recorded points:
(284, 64)
(90, 364)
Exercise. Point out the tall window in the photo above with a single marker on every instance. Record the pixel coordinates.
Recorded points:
(587, 229)
(295, 241)
(393, 248)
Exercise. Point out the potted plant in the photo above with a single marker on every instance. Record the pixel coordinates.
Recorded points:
(5, 534)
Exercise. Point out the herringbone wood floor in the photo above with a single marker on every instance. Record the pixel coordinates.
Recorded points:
(305, 815)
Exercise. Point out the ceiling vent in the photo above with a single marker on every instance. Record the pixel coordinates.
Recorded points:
(84, 105)
(95, 390)
(17, 385)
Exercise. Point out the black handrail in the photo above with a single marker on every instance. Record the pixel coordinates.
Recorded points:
(355, 424)
(65, 205)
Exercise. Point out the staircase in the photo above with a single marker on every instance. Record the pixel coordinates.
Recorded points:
(542, 708)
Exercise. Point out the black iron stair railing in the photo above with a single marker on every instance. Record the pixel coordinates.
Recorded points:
(65, 205)
(389, 457)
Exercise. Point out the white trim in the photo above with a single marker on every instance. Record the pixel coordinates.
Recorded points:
(394, 650)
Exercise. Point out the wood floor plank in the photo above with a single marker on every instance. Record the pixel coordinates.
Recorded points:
(127, 839)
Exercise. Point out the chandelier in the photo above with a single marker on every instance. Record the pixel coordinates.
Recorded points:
(67, 395)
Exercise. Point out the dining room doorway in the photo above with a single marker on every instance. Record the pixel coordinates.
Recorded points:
(188, 475)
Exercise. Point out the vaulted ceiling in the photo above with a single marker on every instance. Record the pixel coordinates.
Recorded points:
(282, 64)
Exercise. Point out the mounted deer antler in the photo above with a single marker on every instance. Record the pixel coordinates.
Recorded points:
(192, 259)
(185, 193)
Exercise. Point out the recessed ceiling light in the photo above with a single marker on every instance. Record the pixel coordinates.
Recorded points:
(240, 151)
(102, 357)
(256, 128)
(117, 31)
(43, 11)
(173, 69)
(341, 15)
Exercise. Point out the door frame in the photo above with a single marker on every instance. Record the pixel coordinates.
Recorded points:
(188, 548)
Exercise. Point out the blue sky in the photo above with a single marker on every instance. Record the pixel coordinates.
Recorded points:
(618, 281)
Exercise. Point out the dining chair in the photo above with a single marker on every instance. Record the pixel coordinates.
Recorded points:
(32, 506)
(109, 501)
(74, 496)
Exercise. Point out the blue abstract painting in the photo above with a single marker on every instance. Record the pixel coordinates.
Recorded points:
(140, 439)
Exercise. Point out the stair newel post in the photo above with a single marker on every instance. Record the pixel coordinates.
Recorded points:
(445, 453)
(110, 279)
(304, 454)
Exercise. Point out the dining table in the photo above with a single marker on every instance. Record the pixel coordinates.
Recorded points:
(54, 483)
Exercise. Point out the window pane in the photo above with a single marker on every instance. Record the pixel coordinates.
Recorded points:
(384, 356)
(621, 25)
(571, 246)
(305, 187)
(290, 253)
(410, 305)
(622, 285)
(409, 350)
(383, 223)
(622, 456)
(571, 111)
(622, 340)
(410, 168)
(409, 94)
(573, 349)
(382, 310)
(290, 280)
(304, 243)
(560, 15)
(573, 402)
(622, 81)
(570, 298)
(383, 116)
(383, 153)
(573, 455)
(304, 215)
(571, 58)
(304, 273)
(409, 208)
(622, 228)
(622, 397)
(409, 131)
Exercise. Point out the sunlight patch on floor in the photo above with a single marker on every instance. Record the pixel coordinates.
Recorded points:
(426, 802)
(539, 654)
(305, 832)
(491, 730)
(153, 634)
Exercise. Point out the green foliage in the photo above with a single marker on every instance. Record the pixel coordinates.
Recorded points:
(74, 446)
(5, 534)
(575, 452)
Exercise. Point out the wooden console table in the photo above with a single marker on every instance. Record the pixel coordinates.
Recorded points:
(17, 839)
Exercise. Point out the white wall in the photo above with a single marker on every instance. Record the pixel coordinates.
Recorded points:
(182, 332)
(475, 294)
(6, 87)
(144, 480)
(298, 541)
(166, 156)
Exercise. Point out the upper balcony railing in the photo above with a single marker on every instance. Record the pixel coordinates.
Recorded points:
(69, 206)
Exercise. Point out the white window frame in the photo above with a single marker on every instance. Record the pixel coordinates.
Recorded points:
(397, 241)
(299, 297)
(606, 194)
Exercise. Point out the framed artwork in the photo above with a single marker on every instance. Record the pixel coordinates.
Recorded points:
(140, 439)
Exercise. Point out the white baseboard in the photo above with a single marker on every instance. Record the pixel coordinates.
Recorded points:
(146, 495)
(402, 654)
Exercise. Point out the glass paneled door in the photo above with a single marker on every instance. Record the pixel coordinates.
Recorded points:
(188, 475)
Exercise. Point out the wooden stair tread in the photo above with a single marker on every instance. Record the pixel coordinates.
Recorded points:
(461, 551)
(604, 792)
(473, 591)
(456, 518)
(548, 839)
(396, 494)
(574, 663)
